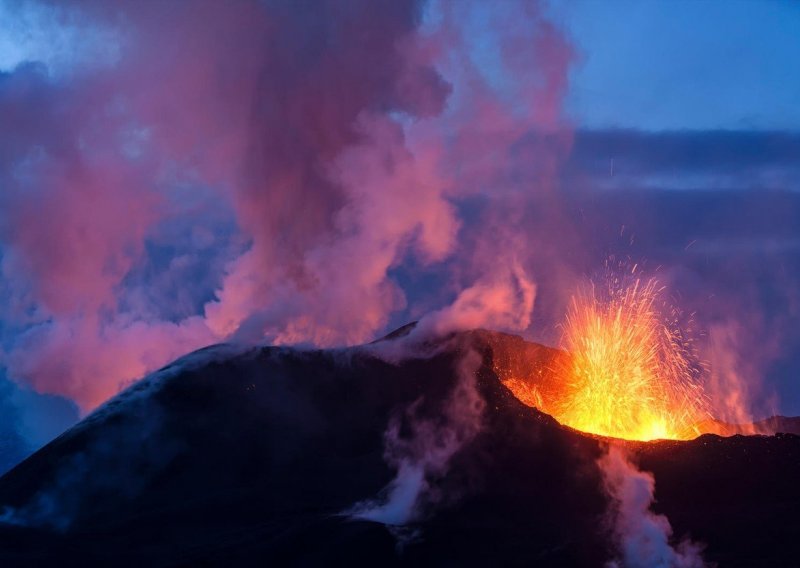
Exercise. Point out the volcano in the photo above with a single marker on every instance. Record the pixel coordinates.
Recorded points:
(252, 455)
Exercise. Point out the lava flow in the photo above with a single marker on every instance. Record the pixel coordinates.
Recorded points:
(628, 373)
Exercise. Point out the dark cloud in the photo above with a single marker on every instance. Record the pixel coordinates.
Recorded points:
(715, 159)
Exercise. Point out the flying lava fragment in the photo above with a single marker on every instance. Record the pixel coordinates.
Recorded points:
(629, 372)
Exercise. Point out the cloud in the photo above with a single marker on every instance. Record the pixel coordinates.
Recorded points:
(261, 172)
(58, 37)
(94, 162)
(686, 159)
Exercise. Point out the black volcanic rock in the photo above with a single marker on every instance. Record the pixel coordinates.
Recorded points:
(248, 456)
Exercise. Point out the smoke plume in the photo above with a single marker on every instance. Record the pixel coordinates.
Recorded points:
(642, 536)
(280, 172)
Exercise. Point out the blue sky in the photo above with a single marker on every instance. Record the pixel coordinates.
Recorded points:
(683, 64)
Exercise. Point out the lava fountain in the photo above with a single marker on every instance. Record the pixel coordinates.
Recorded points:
(628, 372)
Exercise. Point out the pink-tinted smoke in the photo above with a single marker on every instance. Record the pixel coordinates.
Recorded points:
(344, 138)
(501, 300)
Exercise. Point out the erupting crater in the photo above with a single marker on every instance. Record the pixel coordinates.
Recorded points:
(626, 371)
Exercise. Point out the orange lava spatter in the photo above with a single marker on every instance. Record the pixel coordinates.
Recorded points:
(628, 372)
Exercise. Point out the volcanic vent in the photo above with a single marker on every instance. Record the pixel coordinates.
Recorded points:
(628, 371)
(254, 455)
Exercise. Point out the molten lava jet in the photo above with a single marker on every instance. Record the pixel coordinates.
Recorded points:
(628, 372)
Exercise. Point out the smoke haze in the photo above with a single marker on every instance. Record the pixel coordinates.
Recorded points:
(282, 160)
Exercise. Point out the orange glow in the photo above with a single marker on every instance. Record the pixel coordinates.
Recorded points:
(627, 374)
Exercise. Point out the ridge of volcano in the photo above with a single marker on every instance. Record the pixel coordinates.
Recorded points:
(244, 455)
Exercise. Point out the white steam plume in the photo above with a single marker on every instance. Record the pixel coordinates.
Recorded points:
(643, 537)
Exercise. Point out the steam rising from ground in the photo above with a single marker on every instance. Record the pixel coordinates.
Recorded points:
(644, 538)
(420, 448)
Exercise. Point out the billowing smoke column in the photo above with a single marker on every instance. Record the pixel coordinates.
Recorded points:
(268, 171)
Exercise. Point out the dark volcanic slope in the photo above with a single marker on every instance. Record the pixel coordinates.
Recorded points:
(240, 457)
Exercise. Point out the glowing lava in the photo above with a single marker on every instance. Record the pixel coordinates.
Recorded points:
(627, 374)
